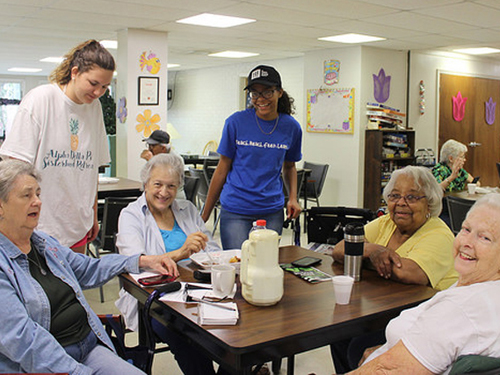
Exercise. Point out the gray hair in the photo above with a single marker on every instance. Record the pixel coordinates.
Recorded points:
(10, 170)
(451, 148)
(425, 181)
(172, 162)
(491, 200)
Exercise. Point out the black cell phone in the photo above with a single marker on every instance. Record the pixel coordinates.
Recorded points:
(306, 262)
(156, 280)
(476, 179)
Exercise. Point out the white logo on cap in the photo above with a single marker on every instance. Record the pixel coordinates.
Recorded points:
(259, 73)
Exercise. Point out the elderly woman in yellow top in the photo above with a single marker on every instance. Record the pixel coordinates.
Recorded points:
(411, 244)
(461, 320)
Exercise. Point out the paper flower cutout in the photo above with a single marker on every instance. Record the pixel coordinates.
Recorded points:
(458, 107)
(381, 86)
(490, 106)
(121, 111)
(147, 124)
(151, 63)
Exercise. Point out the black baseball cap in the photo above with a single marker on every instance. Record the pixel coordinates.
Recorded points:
(156, 137)
(265, 75)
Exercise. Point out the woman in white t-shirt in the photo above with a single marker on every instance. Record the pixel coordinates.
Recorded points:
(59, 128)
(460, 320)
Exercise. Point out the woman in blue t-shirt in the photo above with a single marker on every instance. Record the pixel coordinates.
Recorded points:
(257, 145)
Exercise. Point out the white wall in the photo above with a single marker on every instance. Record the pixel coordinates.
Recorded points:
(425, 66)
(345, 152)
(204, 98)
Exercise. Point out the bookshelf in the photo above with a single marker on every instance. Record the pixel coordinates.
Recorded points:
(385, 151)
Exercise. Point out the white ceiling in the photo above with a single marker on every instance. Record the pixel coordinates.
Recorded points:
(33, 29)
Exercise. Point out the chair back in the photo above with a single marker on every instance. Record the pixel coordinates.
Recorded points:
(316, 180)
(209, 166)
(457, 209)
(498, 169)
(191, 185)
(326, 224)
(300, 183)
(109, 227)
(202, 183)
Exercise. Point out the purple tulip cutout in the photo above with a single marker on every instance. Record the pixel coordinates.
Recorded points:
(490, 106)
(121, 111)
(381, 86)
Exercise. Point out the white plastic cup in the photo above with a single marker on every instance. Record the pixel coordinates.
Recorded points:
(472, 188)
(223, 277)
(342, 285)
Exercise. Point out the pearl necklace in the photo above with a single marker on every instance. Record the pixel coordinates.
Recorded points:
(275, 124)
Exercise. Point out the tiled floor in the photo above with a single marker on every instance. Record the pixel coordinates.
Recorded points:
(316, 361)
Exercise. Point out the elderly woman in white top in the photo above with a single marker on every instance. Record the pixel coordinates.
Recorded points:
(157, 223)
(458, 321)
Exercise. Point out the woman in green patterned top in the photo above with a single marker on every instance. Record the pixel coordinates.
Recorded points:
(449, 172)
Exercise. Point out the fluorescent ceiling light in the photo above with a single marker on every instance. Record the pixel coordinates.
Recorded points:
(351, 38)
(215, 20)
(25, 70)
(111, 44)
(56, 60)
(477, 51)
(173, 65)
(233, 54)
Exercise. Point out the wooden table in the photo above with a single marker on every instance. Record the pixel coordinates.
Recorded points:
(306, 318)
(123, 188)
(465, 195)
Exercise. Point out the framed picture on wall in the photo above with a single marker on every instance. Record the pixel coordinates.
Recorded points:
(149, 90)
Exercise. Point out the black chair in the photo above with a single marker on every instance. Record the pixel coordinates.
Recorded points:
(498, 169)
(105, 241)
(191, 185)
(315, 181)
(209, 166)
(300, 183)
(326, 224)
(141, 355)
(203, 193)
(457, 209)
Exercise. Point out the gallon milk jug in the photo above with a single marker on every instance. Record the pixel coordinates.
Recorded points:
(261, 276)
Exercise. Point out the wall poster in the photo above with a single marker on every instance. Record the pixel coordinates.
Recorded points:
(330, 111)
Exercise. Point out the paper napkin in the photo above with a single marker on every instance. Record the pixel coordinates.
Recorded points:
(213, 314)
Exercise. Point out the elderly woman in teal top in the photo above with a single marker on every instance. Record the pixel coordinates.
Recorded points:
(157, 223)
(449, 172)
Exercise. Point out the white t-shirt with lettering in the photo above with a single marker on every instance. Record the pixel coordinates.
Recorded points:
(67, 143)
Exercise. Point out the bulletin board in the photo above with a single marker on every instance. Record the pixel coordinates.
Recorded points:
(330, 111)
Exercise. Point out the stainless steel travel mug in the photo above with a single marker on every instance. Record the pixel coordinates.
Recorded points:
(354, 236)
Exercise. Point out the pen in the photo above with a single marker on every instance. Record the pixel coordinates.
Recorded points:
(212, 303)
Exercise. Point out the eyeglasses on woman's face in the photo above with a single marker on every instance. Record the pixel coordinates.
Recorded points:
(410, 198)
(267, 94)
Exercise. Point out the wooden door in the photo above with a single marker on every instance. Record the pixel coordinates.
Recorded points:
(482, 139)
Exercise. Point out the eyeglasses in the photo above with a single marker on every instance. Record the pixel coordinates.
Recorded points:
(268, 94)
(410, 198)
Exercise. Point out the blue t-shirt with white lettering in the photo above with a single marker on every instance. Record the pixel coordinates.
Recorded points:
(254, 185)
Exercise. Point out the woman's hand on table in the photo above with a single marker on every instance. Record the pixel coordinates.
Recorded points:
(159, 263)
(382, 260)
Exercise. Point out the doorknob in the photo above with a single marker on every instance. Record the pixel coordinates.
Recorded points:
(474, 144)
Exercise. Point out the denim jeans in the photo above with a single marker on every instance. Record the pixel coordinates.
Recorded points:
(99, 358)
(234, 228)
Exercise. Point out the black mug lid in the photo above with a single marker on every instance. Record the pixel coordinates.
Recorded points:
(354, 229)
